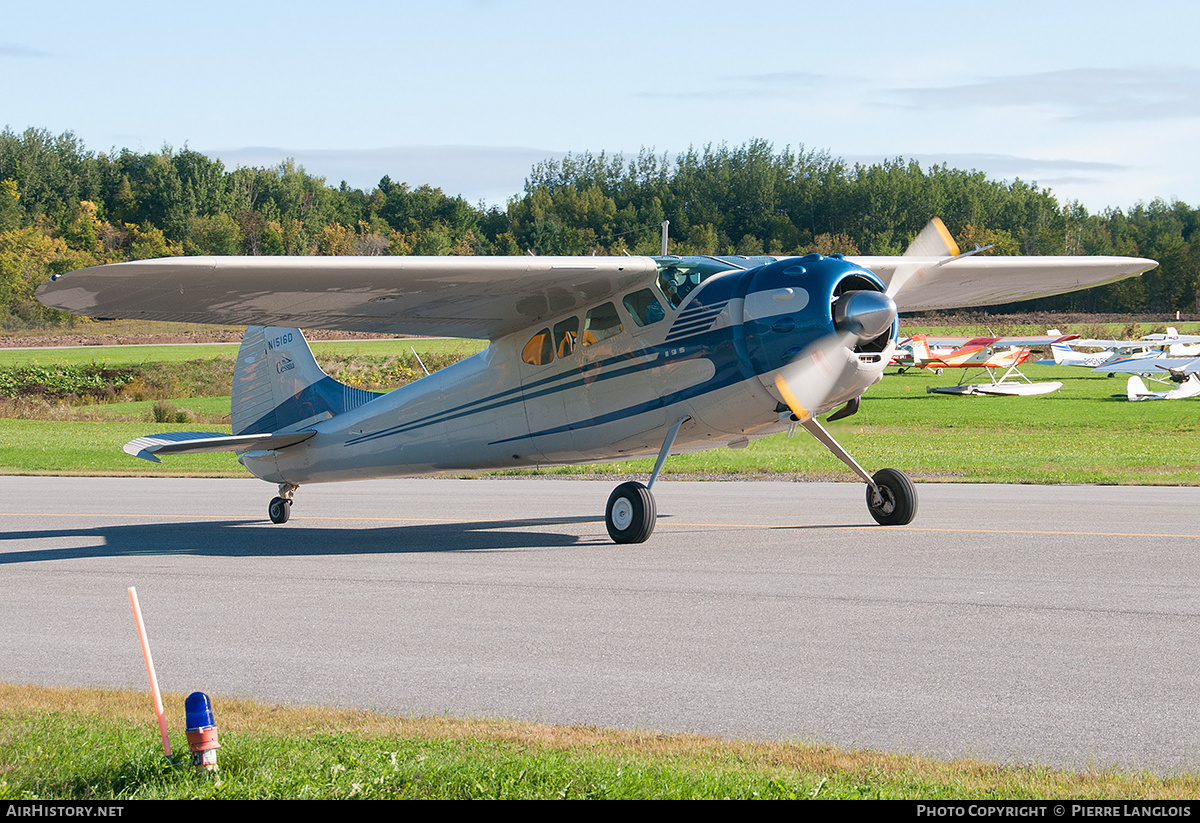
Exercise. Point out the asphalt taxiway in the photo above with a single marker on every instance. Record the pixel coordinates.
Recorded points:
(1056, 625)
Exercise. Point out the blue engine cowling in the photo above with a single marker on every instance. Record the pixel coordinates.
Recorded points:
(790, 304)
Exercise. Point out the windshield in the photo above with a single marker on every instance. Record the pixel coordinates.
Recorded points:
(678, 276)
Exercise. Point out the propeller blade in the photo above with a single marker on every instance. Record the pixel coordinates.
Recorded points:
(933, 241)
(806, 382)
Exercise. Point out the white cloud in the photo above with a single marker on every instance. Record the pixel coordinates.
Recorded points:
(1088, 94)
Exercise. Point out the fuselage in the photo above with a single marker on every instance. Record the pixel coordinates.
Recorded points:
(702, 342)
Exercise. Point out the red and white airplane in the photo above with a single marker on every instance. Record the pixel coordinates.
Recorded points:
(984, 353)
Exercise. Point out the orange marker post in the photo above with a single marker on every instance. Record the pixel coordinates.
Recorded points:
(158, 706)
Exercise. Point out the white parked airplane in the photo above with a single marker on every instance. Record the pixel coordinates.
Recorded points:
(1067, 352)
(1177, 345)
(1101, 353)
(1180, 370)
(590, 359)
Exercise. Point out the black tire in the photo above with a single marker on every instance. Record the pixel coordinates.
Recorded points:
(279, 510)
(898, 506)
(630, 514)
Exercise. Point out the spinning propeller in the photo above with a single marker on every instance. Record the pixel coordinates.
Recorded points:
(858, 316)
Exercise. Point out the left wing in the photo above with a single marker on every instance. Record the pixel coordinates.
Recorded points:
(978, 280)
(481, 297)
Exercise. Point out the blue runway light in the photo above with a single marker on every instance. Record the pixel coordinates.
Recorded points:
(201, 732)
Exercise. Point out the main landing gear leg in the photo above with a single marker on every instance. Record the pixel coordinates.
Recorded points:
(631, 512)
(891, 495)
(280, 508)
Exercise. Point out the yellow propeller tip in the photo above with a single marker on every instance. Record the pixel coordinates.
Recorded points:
(790, 398)
(946, 237)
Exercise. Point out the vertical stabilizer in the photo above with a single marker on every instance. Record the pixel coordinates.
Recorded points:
(1135, 388)
(920, 348)
(278, 386)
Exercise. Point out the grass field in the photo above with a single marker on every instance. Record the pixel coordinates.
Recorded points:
(88, 744)
(122, 355)
(1081, 434)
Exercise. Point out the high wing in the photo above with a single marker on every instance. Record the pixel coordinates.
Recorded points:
(1178, 366)
(978, 280)
(1000, 342)
(1116, 345)
(480, 297)
(1172, 336)
(489, 297)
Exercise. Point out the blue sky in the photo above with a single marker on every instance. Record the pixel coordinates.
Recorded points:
(1098, 101)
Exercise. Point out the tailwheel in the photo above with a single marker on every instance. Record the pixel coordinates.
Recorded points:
(279, 510)
(893, 501)
(630, 514)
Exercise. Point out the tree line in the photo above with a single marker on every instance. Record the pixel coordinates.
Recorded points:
(64, 207)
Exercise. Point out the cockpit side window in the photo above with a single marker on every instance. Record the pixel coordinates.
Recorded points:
(600, 323)
(539, 350)
(644, 307)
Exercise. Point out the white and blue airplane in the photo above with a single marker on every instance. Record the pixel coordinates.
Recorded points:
(590, 359)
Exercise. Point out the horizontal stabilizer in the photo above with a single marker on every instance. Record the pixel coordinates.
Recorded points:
(195, 442)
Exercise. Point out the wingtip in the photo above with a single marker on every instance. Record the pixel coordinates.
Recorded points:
(134, 448)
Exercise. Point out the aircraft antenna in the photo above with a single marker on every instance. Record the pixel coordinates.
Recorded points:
(665, 223)
(419, 360)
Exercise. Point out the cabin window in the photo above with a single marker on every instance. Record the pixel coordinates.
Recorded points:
(566, 332)
(644, 307)
(601, 322)
(539, 350)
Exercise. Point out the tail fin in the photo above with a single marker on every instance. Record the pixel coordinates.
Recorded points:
(277, 384)
(1135, 388)
(920, 348)
(1062, 352)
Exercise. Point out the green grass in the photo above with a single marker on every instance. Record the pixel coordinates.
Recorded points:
(126, 355)
(88, 744)
(94, 448)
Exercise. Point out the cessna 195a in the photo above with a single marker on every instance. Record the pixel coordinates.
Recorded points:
(590, 358)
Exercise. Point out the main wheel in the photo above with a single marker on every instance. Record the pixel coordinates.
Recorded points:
(897, 505)
(279, 510)
(630, 514)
